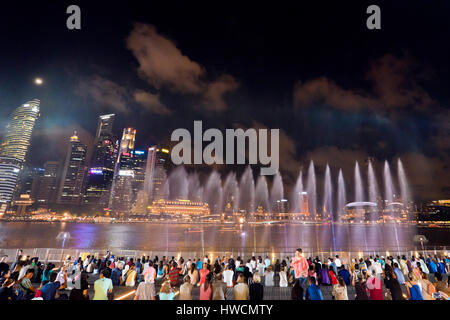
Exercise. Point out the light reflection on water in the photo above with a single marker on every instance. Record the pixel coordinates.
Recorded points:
(146, 236)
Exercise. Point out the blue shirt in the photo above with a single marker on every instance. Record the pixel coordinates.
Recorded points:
(345, 275)
(49, 290)
(441, 267)
(400, 276)
(313, 293)
(432, 266)
(115, 276)
(199, 265)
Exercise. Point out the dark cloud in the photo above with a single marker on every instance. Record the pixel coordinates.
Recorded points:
(394, 85)
(163, 65)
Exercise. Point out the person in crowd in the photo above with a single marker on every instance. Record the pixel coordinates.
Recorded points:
(360, 287)
(7, 291)
(399, 274)
(374, 286)
(166, 292)
(393, 288)
(205, 287)
(131, 276)
(427, 287)
(297, 290)
(256, 289)
(186, 288)
(313, 291)
(27, 291)
(146, 289)
(203, 273)
(283, 277)
(116, 274)
(440, 285)
(219, 288)
(300, 266)
(80, 284)
(268, 277)
(51, 289)
(174, 275)
(4, 266)
(413, 289)
(339, 291)
(241, 290)
(260, 267)
(228, 276)
(345, 274)
(103, 286)
(193, 274)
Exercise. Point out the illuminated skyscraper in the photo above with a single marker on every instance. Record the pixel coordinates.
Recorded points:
(70, 190)
(9, 175)
(143, 197)
(14, 148)
(101, 171)
(121, 198)
(160, 173)
(18, 131)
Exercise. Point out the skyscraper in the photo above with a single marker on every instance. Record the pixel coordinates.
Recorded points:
(160, 173)
(48, 185)
(18, 131)
(121, 198)
(101, 171)
(70, 190)
(14, 148)
(143, 196)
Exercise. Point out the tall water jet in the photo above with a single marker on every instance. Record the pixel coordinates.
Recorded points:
(328, 204)
(178, 184)
(327, 195)
(195, 190)
(373, 186)
(311, 190)
(296, 200)
(247, 192)
(277, 194)
(403, 182)
(342, 197)
(262, 194)
(389, 189)
(230, 193)
(212, 193)
(359, 191)
(342, 235)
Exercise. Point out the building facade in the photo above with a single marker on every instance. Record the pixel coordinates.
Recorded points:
(71, 186)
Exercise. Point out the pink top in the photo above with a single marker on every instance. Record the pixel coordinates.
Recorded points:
(150, 274)
(375, 288)
(203, 274)
(205, 295)
(300, 266)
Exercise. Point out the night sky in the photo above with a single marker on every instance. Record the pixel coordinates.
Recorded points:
(338, 91)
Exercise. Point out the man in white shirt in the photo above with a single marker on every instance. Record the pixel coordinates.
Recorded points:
(267, 261)
(338, 262)
(228, 277)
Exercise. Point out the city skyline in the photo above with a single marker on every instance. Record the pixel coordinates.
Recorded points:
(386, 99)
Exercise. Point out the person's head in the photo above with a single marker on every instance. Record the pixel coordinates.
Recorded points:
(360, 277)
(4, 259)
(53, 276)
(165, 287)
(105, 273)
(174, 265)
(29, 274)
(269, 268)
(312, 280)
(299, 252)
(438, 276)
(241, 279)
(337, 257)
(256, 278)
(219, 277)
(187, 279)
(205, 266)
(341, 281)
(5, 274)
